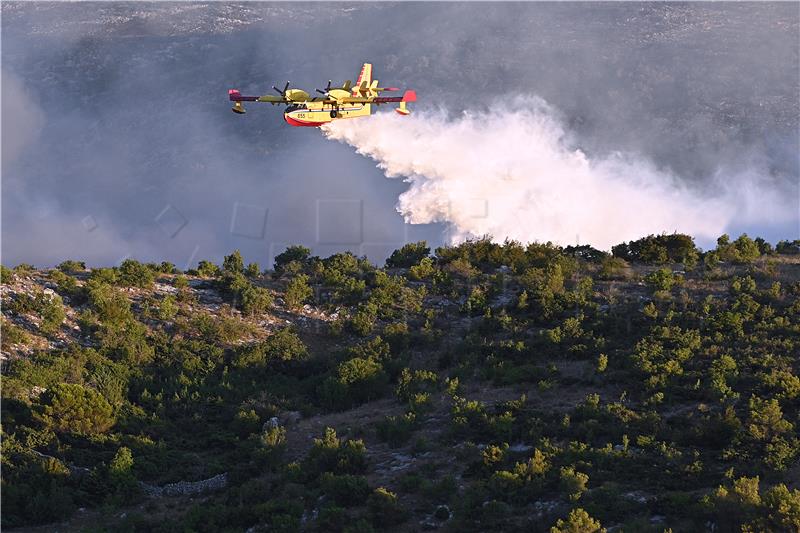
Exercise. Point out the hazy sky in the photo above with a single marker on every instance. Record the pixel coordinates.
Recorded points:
(118, 139)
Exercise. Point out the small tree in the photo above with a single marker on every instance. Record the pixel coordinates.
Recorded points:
(233, 262)
(298, 292)
(384, 509)
(207, 269)
(578, 521)
(409, 255)
(252, 270)
(120, 472)
(72, 408)
(255, 300)
(69, 266)
(573, 483)
(52, 311)
(292, 253)
(660, 280)
(132, 273)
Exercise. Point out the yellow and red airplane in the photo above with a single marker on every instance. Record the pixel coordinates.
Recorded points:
(347, 101)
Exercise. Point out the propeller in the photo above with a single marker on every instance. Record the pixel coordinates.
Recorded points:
(327, 89)
(283, 92)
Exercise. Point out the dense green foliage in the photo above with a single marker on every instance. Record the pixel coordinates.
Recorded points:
(486, 387)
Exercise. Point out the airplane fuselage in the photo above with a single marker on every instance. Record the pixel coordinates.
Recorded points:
(316, 114)
(336, 103)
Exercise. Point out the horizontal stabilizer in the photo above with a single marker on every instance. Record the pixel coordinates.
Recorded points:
(235, 96)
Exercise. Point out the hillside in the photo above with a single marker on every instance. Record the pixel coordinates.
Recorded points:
(479, 387)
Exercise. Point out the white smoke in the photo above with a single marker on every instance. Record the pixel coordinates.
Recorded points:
(515, 174)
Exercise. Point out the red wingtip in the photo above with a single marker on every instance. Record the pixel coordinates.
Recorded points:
(233, 93)
(391, 88)
(410, 96)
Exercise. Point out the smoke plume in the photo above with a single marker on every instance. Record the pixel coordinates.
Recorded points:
(519, 175)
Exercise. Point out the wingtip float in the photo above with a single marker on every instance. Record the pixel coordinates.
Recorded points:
(347, 101)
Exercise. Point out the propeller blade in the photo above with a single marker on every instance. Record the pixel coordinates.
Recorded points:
(277, 90)
(286, 87)
(328, 88)
(320, 91)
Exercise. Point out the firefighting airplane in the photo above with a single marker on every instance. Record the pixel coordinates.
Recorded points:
(347, 101)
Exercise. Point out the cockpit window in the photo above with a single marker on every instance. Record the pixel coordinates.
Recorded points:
(295, 107)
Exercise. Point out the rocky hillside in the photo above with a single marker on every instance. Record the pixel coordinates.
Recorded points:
(483, 387)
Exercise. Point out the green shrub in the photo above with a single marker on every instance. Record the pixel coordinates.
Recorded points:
(255, 300)
(423, 270)
(252, 270)
(51, 309)
(384, 508)
(409, 255)
(578, 521)
(299, 254)
(573, 483)
(345, 490)
(660, 280)
(70, 267)
(207, 269)
(12, 334)
(297, 292)
(72, 408)
(132, 273)
(6, 274)
(330, 454)
(233, 263)
(396, 430)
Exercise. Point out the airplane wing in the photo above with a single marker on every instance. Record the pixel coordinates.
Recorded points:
(355, 100)
(408, 96)
(272, 99)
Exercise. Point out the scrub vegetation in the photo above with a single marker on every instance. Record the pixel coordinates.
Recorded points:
(478, 387)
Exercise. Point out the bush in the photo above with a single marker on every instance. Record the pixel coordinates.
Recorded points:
(296, 253)
(252, 270)
(423, 270)
(356, 381)
(297, 292)
(6, 274)
(363, 321)
(51, 309)
(12, 334)
(409, 255)
(282, 346)
(614, 268)
(120, 472)
(396, 430)
(134, 274)
(71, 267)
(207, 269)
(743, 250)
(384, 509)
(788, 247)
(72, 408)
(578, 521)
(675, 248)
(168, 308)
(233, 263)
(255, 300)
(346, 490)
(573, 483)
(660, 280)
(330, 454)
